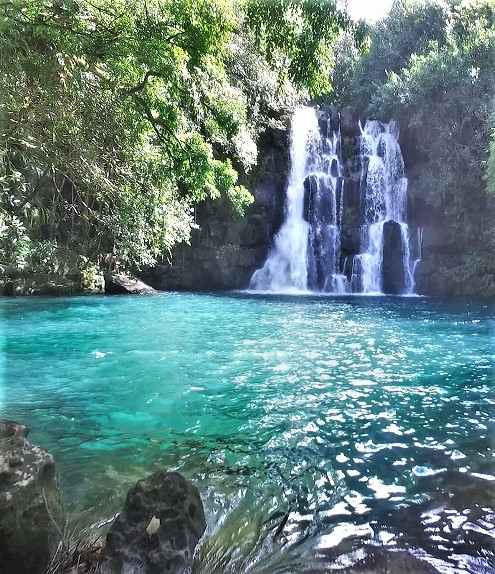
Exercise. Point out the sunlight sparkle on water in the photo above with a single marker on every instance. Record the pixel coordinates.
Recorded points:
(365, 422)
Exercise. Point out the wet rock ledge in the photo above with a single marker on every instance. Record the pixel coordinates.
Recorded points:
(31, 513)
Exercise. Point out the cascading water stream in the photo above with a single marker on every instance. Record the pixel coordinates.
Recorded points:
(308, 253)
(384, 229)
(285, 267)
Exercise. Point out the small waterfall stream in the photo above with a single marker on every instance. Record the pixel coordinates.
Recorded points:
(384, 229)
(307, 253)
(286, 267)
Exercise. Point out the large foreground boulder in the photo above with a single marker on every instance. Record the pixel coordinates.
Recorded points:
(31, 513)
(158, 528)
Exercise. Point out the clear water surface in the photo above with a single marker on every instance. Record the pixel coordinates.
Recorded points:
(317, 429)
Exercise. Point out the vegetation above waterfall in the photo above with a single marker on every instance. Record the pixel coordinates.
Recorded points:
(118, 116)
(432, 66)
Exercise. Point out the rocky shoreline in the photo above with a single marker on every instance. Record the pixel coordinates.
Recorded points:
(32, 518)
(157, 531)
(121, 283)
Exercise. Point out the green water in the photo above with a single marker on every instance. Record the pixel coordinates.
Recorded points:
(368, 421)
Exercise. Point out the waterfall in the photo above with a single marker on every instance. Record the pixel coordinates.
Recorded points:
(309, 252)
(384, 229)
(307, 248)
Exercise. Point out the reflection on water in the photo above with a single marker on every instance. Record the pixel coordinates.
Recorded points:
(323, 433)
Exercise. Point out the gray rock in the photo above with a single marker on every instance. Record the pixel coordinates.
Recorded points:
(158, 528)
(31, 513)
(328, 118)
(123, 283)
(394, 281)
(349, 122)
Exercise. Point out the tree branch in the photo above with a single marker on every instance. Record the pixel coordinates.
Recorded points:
(138, 87)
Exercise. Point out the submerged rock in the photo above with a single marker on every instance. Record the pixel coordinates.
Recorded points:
(158, 528)
(31, 513)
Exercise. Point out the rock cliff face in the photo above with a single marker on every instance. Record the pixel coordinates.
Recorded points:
(458, 251)
(226, 250)
(456, 260)
(394, 280)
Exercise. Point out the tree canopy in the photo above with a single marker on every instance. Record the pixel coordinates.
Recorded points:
(122, 103)
(117, 116)
(430, 64)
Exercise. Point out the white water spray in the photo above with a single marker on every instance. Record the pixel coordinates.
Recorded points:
(384, 195)
(306, 254)
(286, 266)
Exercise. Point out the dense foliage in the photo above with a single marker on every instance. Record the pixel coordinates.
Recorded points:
(117, 116)
(297, 36)
(431, 65)
(117, 108)
(409, 28)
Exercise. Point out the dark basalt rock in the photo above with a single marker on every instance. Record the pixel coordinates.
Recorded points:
(158, 528)
(349, 122)
(310, 190)
(31, 514)
(393, 278)
(328, 119)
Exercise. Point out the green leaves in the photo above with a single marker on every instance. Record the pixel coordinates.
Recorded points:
(128, 105)
(15, 245)
(447, 93)
(296, 36)
(129, 112)
(410, 28)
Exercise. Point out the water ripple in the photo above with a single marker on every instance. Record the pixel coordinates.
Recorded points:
(324, 433)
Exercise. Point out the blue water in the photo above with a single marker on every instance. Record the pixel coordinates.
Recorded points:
(363, 423)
